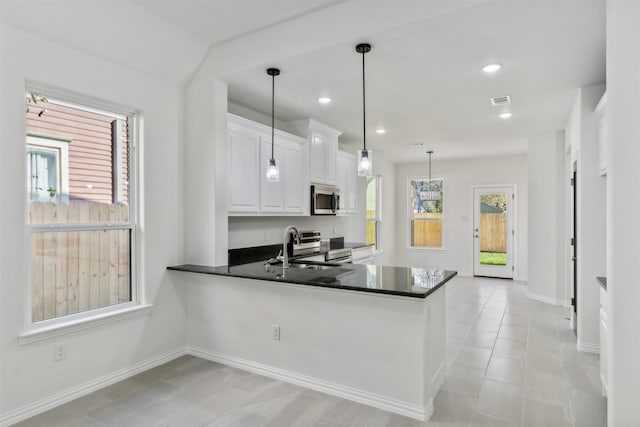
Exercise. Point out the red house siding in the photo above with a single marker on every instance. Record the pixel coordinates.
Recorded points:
(90, 158)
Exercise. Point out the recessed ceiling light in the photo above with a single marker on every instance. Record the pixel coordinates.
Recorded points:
(381, 131)
(491, 68)
(505, 115)
(324, 100)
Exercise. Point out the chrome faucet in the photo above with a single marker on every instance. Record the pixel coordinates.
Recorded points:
(296, 237)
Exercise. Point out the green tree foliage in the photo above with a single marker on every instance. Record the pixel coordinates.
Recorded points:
(498, 201)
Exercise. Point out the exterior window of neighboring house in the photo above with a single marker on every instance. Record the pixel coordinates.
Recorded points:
(373, 204)
(81, 210)
(47, 168)
(425, 216)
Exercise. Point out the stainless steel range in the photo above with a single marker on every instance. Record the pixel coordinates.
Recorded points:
(309, 243)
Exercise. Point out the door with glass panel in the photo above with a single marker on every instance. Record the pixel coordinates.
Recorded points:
(493, 231)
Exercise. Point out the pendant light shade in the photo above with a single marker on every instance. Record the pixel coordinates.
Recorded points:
(365, 157)
(273, 170)
(432, 193)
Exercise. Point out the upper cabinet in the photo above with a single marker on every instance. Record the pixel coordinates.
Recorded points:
(249, 151)
(244, 169)
(603, 134)
(348, 182)
(323, 151)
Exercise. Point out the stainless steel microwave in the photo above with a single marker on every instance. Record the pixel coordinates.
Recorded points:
(325, 200)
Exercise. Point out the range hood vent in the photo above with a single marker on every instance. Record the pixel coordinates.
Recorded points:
(500, 100)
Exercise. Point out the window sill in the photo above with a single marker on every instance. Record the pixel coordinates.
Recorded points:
(39, 333)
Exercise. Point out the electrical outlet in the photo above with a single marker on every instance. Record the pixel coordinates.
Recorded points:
(267, 236)
(335, 230)
(275, 332)
(59, 352)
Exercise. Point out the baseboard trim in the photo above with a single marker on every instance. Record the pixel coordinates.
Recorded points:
(542, 298)
(521, 278)
(377, 401)
(588, 347)
(73, 393)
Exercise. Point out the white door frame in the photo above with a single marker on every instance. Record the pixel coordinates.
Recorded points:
(509, 271)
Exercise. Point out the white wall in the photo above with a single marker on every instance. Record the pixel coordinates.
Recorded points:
(28, 372)
(590, 213)
(546, 217)
(385, 350)
(623, 205)
(459, 177)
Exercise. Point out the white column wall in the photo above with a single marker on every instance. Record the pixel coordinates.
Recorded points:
(545, 173)
(591, 237)
(623, 205)
(206, 182)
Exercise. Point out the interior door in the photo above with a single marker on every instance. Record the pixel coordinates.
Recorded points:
(493, 231)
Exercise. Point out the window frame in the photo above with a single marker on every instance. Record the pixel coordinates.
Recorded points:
(378, 217)
(410, 217)
(44, 329)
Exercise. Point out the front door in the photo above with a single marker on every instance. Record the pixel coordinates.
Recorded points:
(493, 231)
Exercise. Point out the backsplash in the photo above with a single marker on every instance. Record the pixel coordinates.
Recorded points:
(258, 231)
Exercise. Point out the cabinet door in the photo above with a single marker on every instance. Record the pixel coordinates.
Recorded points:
(343, 182)
(352, 185)
(272, 193)
(294, 182)
(347, 182)
(317, 150)
(244, 168)
(331, 160)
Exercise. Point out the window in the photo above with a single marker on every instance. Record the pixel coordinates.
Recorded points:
(80, 209)
(425, 216)
(373, 204)
(47, 168)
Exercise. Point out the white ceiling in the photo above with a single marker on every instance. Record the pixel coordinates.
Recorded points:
(424, 82)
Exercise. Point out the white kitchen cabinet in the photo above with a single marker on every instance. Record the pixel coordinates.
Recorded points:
(323, 151)
(296, 184)
(603, 134)
(348, 183)
(244, 168)
(249, 151)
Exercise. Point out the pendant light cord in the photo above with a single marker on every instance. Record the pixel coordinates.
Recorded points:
(273, 114)
(364, 114)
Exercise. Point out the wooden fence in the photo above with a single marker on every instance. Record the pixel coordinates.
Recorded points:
(493, 232)
(75, 271)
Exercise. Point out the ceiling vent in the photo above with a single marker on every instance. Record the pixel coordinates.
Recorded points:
(500, 100)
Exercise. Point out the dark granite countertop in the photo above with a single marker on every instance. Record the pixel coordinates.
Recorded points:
(411, 282)
(603, 281)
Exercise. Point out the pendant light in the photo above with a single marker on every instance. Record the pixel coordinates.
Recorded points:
(273, 171)
(365, 159)
(432, 193)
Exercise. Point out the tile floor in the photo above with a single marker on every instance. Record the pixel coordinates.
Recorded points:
(511, 362)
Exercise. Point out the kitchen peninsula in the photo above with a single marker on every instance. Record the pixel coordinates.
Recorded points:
(373, 334)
